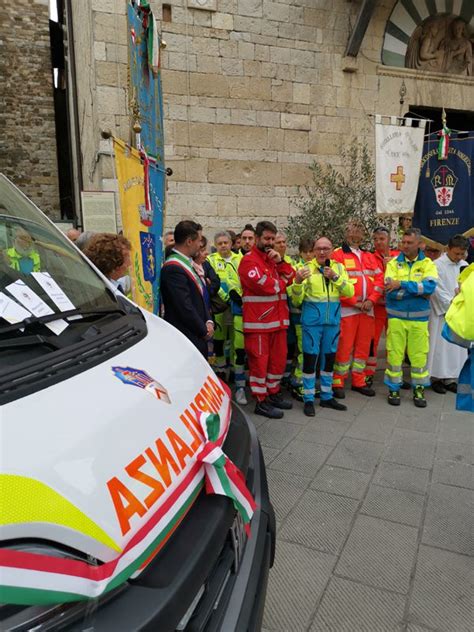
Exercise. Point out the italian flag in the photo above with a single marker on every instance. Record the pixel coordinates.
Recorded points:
(443, 145)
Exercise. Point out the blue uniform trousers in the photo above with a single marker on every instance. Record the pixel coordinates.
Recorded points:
(319, 341)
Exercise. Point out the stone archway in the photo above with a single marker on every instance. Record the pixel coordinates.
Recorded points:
(430, 35)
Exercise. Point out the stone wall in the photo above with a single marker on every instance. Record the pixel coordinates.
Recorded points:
(256, 91)
(100, 39)
(27, 128)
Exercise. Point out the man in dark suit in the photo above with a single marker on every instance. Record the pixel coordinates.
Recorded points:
(182, 290)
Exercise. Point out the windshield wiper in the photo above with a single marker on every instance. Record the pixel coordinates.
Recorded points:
(48, 318)
(28, 341)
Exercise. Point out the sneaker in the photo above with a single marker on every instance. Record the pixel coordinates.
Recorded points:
(308, 409)
(364, 390)
(240, 396)
(369, 380)
(339, 393)
(278, 401)
(406, 386)
(419, 397)
(438, 387)
(332, 403)
(296, 391)
(394, 398)
(265, 409)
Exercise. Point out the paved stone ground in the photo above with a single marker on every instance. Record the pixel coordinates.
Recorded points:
(374, 515)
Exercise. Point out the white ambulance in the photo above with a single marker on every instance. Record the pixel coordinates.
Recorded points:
(133, 493)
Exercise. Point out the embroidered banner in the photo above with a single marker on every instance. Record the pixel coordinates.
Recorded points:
(445, 201)
(146, 97)
(398, 149)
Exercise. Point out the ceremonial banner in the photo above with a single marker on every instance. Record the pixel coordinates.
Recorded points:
(136, 223)
(445, 201)
(146, 101)
(398, 150)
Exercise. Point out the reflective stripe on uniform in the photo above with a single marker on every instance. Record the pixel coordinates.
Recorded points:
(322, 299)
(422, 370)
(257, 326)
(420, 287)
(407, 315)
(258, 389)
(260, 299)
(272, 384)
(262, 280)
(394, 367)
(325, 389)
(258, 380)
(274, 377)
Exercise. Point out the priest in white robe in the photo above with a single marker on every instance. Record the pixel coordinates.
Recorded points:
(445, 360)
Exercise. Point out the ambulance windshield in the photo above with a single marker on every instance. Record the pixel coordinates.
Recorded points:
(40, 270)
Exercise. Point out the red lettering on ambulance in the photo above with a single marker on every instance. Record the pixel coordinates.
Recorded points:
(133, 470)
(125, 503)
(163, 461)
(197, 439)
(180, 447)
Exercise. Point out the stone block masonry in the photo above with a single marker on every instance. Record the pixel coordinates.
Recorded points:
(27, 128)
(252, 97)
(254, 91)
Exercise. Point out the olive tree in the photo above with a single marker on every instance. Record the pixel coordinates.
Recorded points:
(334, 196)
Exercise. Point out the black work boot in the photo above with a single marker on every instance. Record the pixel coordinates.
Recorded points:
(265, 409)
(308, 409)
(394, 398)
(332, 403)
(339, 393)
(438, 387)
(364, 390)
(419, 397)
(278, 401)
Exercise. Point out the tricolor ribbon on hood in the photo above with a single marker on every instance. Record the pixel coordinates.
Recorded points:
(37, 579)
(222, 475)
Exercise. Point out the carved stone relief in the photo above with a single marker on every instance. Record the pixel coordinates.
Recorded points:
(441, 44)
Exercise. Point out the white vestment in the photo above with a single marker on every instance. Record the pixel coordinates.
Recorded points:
(445, 360)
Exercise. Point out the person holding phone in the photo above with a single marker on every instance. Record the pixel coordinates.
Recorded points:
(318, 287)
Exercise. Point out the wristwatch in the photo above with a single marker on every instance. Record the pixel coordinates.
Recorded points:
(335, 277)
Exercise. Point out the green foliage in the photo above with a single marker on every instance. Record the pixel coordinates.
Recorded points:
(335, 196)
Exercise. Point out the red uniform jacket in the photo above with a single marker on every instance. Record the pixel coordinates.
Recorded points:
(265, 305)
(366, 273)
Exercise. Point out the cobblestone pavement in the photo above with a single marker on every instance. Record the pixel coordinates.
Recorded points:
(374, 514)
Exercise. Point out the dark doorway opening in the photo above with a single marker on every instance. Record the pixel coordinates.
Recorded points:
(459, 120)
(61, 114)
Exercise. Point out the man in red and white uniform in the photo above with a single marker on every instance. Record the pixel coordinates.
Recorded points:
(382, 253)
(357, 322)
(264, 277)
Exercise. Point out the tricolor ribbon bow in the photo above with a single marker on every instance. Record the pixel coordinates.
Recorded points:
(222, 475)
(443, 145)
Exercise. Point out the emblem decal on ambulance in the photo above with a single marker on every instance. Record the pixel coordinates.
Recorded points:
(137, 377)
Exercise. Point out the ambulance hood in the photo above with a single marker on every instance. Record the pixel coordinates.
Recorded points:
(69, 445)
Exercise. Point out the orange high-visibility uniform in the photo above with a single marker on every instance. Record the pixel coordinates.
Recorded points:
(380, 314)
(357, 328)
